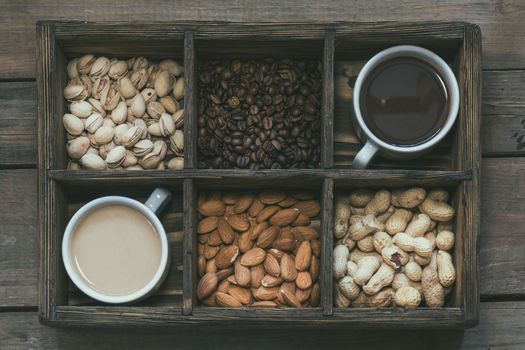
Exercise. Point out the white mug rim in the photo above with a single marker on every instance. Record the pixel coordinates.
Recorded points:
(73, 273)
(439, 64)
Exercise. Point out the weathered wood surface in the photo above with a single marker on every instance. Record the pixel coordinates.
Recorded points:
(501, 327)
(499, 21)
(502, 262)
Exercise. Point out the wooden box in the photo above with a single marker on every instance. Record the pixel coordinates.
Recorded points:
(342, 48)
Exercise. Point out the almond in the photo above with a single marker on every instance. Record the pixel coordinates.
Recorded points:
(286, 233)
(226, 256)
(223, 286)
(243, 203)
(255, 208)
(241, 294)
(212, 208)
(231, 279)
(278, 254)
(285, 244)
(288, 270)
(271, 266)
(271, 281)
(303, 280)
(258, 229)
(303, 295)
(207, 285)
(200, 248)
(265, 303)
(225, 231)
(310, 208)
(316, 248)
(297, 236)
(284, 217)
(267, 237)
(210, 266)
(230, 198)
(226, 300)
(242, 274)
(257, 275)
(207, 225)
(238, 222)
(254, 256)
(210, 251)
(215, 238)
(263, 293)
(315, 295)
(287, 202)
(289, 298)
(271, 197)
(288, 286)
(224, 273)
(209, 301)
(307, 232)
(245, 243)
(303, 256)
(301, 220)
(314, 268)
(203, 238)
(267, 212)
(201, 264)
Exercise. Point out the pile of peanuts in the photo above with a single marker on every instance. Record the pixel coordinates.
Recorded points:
(392, 248)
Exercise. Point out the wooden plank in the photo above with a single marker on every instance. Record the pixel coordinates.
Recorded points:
(499, 21)
(500, 326)
(327, 101)
(18, 238)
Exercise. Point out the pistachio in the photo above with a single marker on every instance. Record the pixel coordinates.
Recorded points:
(177, 142)
(160, 147)
(109, 98)
(104, 134)
(104, 149)
(72, 71)
(153, 71)
(149, 95)
(72, 124)
(118, 70)
(93, 143)
(100, 67)
(85, 63)
(120, 133)
(77, 147)
(135, 167)
(86, 83)
(172, 66)
(100, 85)
(108, 122)
(155, 109)
(93, 122)
(154, 129)
(164, 83)
(81, 109)
(73, 165)
(92, 150)
(143, 147)
(178, 88)
(139, 78)
(178, 118)
(132, 137)
(176, 163)
(97, 107)
(130, 62)
(129, 160)
(126, 88)
(161, 166)
(140, 63)
(169, 103)
(138, 106)
(120, 113)
(116, 157)
(141, 124)
(150, 161)
(92, 161)
(75, 92)
(166, 124)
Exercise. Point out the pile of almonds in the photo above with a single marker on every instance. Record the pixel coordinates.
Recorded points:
(259, 250)
(393, 248)
(124, 114)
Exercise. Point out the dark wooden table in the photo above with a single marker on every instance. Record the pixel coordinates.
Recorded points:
(502, 250)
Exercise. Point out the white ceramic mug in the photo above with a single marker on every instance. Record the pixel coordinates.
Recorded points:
(373, 144)
(155, 203)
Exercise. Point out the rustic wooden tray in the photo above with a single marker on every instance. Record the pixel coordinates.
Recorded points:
(342, 48)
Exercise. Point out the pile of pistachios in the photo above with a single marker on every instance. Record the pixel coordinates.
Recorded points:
(124, 114)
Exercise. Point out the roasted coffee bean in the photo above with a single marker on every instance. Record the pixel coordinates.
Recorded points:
(259, 114)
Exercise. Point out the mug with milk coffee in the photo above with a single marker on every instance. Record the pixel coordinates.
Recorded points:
(405, 99)
(115, 248)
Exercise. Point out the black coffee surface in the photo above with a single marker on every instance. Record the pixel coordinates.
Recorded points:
(404, 101)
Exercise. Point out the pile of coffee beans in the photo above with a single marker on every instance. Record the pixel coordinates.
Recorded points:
(259, 114)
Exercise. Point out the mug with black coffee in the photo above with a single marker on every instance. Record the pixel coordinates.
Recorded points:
(406, 99)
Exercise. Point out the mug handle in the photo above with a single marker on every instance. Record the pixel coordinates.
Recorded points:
(158, 199)
(365, 155)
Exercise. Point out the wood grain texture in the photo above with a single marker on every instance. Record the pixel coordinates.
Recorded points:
(499, 21)
(501, 327)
